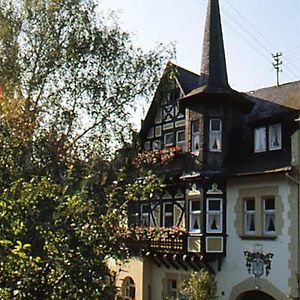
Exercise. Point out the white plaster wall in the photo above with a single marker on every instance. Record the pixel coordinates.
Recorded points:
(234, 270)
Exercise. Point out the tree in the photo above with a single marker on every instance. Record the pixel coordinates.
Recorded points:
(77, 73)
(200, 286)
(69, 77)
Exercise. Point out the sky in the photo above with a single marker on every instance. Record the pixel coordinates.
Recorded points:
(253, 30)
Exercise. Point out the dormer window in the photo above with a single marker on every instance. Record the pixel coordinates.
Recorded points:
(195, 136)
(215, 135)
(260, 144)
(267, 135)
(275, 137)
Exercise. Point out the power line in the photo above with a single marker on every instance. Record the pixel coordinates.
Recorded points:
(251, 25)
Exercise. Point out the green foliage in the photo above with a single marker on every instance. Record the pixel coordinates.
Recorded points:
(77, 71)
(70, 77)
(53, 245)
(144, 187)
(200, 286)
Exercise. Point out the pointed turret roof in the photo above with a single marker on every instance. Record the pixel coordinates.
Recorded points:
(213, 76)
(213, 66)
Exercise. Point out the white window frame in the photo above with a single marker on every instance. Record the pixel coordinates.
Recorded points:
(250, 213)
(195, 137)
(168, 214)
(165, 139)
(270, 132)
(257, 139)
(197, 214)
(267, 212)
(178, 142)
(215, 133)
(214, 212)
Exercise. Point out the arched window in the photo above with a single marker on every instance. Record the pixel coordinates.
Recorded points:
(128, 289)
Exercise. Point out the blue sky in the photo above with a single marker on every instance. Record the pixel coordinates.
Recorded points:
(252, 29)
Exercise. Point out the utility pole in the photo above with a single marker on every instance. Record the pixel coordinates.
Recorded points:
(277, 64)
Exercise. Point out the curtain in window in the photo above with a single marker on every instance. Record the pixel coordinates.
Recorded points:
(270, 222)
(195, 222)
(275, 137)
(250, 223)
(260, 139)
(215, 141)
(214, 222)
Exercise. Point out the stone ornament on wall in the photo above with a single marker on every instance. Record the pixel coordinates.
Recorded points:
(257, 262)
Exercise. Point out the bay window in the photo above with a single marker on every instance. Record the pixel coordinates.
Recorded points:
(214, 215)
(195, 137)
(194, 216)
(215, 135)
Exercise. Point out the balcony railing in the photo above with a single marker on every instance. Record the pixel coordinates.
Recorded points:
(155, 239)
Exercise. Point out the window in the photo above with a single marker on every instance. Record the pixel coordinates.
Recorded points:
(195, 136)
(172, 288)
(275, 137)
(167, 215)
(259, 214)
(150, 133)
(194, 219)
(260, 139)
(214, 215)
(128, 289)
(147, 146)
(145, 216)
(168, 139)
(215, 135)
(180, 138)
(272, 135)
(269, 215)
(250, 216)
(156, 145)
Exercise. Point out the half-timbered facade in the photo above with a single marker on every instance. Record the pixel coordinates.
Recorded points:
(231, 202)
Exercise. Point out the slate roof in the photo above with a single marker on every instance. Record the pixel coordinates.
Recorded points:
(213, 64)
(187, 79)
(213, 75)
(274, 101)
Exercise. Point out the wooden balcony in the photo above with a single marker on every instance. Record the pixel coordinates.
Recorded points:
(155, 240)
(156, 245)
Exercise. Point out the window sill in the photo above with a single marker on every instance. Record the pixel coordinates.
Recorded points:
(195, 233)
(258, 237)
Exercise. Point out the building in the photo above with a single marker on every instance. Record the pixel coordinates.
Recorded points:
(231, 162)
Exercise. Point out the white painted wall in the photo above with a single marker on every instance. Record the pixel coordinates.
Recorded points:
(234, 269)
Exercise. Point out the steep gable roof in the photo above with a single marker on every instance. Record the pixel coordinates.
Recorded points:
(186, 79)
